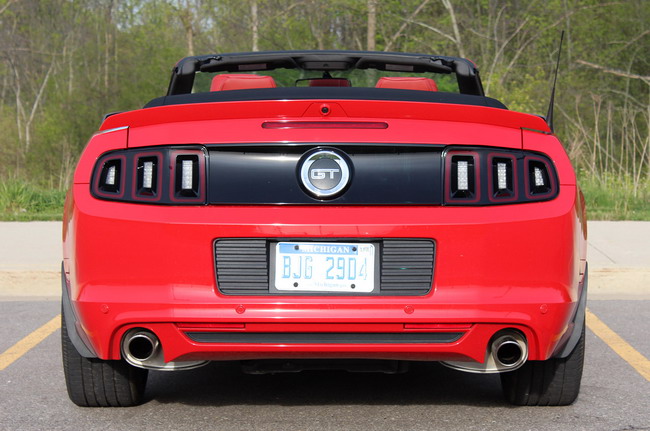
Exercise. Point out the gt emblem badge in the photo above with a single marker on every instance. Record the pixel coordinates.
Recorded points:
(324, 173)
(319, 174)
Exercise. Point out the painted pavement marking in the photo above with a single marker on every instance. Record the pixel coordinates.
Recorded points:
(13, 353)
(629, 354)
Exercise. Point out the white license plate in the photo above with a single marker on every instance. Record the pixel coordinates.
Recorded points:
(325, 267)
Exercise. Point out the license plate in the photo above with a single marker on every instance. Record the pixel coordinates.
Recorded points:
(325, 267)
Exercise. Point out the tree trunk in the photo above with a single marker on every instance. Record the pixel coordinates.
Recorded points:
(32, 114)
(107, 44)
(372, 25)
(454, 23)
(255, 24)
(186, 17)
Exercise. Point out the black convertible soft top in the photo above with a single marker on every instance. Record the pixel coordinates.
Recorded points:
(466, 73)
(326, 93)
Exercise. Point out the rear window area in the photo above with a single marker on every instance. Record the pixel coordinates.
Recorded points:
(366, 78)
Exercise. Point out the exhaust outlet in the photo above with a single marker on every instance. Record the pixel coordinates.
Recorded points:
(509, 350)
(508, 353)
(142, 346)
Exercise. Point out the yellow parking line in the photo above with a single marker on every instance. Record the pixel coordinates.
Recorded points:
(619, 345)
(29, 342)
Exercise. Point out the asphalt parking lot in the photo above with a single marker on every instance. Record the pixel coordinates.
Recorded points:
(615, 388)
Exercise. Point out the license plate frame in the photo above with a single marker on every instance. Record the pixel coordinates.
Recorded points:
(333, 249)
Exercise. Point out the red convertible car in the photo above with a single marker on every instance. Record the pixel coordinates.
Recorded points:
(358, 210)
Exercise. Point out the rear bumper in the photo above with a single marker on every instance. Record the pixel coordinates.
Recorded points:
(146, 266)
(210, 340)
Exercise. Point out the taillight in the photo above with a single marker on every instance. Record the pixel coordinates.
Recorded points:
(482, 176)
(462, 169)
(502, 177)
(187, 176)
(147, 176)
(110, 176)
(165, 176)
(539, 181)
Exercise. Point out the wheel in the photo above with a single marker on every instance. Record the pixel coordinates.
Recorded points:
(98, 383)
(554, 382)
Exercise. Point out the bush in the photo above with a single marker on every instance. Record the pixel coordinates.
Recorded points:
(609, 197)
(20, 201)
(612, 197)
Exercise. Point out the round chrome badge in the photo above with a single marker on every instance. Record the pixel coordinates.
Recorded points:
(324, 173)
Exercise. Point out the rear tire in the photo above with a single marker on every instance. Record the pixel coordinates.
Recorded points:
(95, 382)
(553, 382)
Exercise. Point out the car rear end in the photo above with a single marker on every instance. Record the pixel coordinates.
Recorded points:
(324, 229)
(444, 259)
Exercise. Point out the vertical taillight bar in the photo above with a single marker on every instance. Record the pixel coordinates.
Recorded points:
(110, 180)
(158, 175)
(502, 177)
(462, 176)
(487, 176)
(147, 184)
(540, 183)
(187, 182)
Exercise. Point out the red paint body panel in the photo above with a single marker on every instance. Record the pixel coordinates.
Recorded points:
(503, 266)
(98, 145)
(308, 108)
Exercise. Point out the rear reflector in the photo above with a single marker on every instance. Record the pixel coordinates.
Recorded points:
(425, 326)
(212, 326)
(324, 125)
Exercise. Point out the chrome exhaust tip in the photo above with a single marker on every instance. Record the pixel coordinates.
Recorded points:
(142, 348)
(509, 350)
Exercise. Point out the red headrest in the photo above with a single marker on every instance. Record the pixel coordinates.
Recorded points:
(241, 82)
(329, 82)
(407, 83)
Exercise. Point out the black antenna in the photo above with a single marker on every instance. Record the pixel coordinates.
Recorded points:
(549, 114)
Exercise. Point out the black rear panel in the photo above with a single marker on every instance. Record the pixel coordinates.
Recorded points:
(405, 266)
(380, 175)
(325, 337)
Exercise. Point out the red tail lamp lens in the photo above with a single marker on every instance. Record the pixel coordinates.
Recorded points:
(492, 176)
(462, 176)
(164, 175)
(110, 176)
(147, 174)
(502, 173)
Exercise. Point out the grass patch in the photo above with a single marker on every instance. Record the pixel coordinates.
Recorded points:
(611, 197)
(21, 201)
